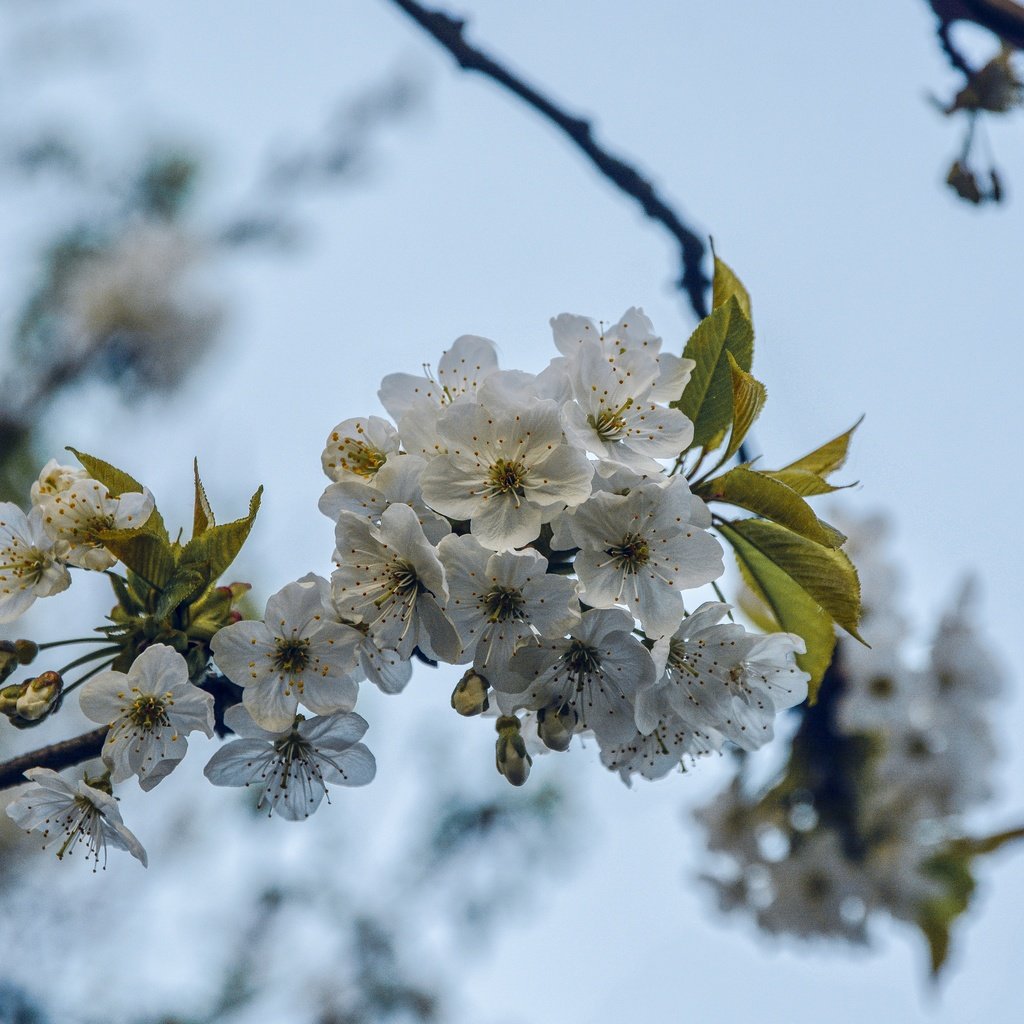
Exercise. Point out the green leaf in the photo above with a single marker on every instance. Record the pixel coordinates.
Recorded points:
(824, 574)
(126, 596)
(989, 844)
(202, 518)
(794, 609)
(726, 285)
(803, 481)
(186, 584)
(748, 398)
(118, 482)
(215, 549)
(146, 554)
(707, 399)
(829, 457)
(951, 868)
(757, 493)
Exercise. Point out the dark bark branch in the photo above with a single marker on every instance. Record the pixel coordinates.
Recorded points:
(55, 756)
(448, 32)
(1003, 17)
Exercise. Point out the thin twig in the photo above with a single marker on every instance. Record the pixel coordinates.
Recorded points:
(55, 756)
(448, 31)
(1003, 17)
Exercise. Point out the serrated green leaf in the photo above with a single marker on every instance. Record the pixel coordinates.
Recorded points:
(202, 518)
(185, 585)
(829, 457)
(727, 285)
(760, 494)
(707, 398)
(146, 554)
(118, 482)
(748, 398)
(213, 551)
(803, 481)
(126, 597)
(794, 610)
(825, 574)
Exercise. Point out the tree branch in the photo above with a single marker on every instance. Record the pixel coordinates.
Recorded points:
(448, 32)
(55, 756)
(1003, 17)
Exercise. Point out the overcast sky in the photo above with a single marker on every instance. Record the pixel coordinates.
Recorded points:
(797, 134)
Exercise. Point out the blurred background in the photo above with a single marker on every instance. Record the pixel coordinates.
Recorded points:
(223, 224)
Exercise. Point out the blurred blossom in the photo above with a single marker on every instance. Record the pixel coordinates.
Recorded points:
(866, 816)
(137, 306)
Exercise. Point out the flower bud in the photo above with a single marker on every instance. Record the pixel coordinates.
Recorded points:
(470, 694)
(9, 699)
(8, 659)
(510, 754)
(556, 725)
(26, 651)
(39, 696)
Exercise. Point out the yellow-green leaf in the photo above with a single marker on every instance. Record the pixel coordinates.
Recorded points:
(707, 398)
(951, 869)
(213, 551)
(760, 494)
(829, 457)
(748, 398)
(184, 586)
(202, 518)
(824, 574)
(148, 555)
(803, 481)
(727, 285)
(794, 609)
(118, 482)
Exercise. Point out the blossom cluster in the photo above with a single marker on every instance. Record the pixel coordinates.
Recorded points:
(538, 529)
(528, 526)
(870, 806)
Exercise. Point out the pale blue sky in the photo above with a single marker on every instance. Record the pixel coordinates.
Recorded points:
(798, 134)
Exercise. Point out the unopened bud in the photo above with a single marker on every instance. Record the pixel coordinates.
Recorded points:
(556, 725)
(510, 754)
(8, 659)
(39, 696)
(9, 699)
(26, 651)
(470, 694)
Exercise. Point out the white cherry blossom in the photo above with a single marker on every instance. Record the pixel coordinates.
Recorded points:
(460, 372)
(28, 565)
(508, 471)
(298, 653)
(390, 580)
(664, 748)
(77, 516)
(500, 601)
(357, 448)
(150, 710)
(641, 549)
(614, 415)
(54, 478)
(73, 814)
(593, 675)
(719, 676)
(396, 482)
(633, 332)
(291, 768)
